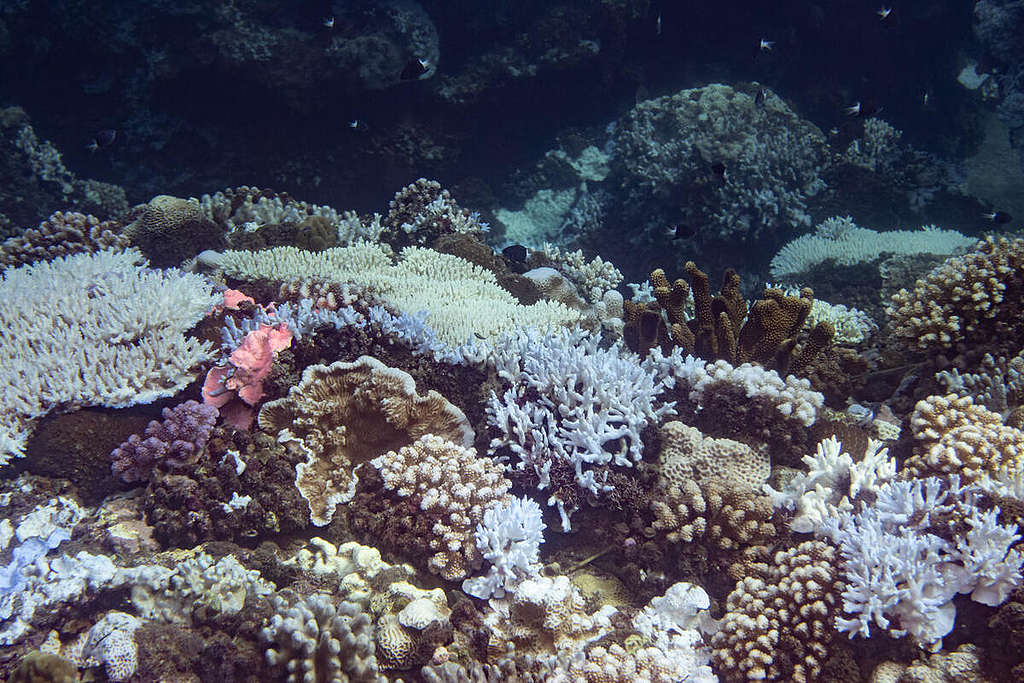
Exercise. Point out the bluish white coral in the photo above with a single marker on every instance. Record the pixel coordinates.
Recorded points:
(509, 537)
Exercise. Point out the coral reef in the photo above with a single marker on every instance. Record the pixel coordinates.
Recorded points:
(778, 625)
(723, 327)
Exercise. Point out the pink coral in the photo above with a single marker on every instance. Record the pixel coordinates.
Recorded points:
(242, 378)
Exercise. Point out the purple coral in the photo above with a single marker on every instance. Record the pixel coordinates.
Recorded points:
(176, 442)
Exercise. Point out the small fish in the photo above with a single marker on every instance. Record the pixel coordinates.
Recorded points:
(516, 252)
(718, 168)
(766, 45)
(884, 12)
(1000, 217)
(657, 25)
(925, 98)
(415, 69)
(680, 231)
(833, 131)
(328, 22)
(862, 109)
(356, 124)
(102, 139)
(759, 97)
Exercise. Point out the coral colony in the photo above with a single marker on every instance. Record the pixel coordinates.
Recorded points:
(245, 437)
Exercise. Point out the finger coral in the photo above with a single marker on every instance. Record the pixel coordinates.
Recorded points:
(63, 233)
(778, 626)
(173, 443)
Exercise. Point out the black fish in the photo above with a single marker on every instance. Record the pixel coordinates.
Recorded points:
(516, 252)
(718, 168)
(759, 97)
(680, 231)
(1000, 217)
(102, 139)
(415, 69)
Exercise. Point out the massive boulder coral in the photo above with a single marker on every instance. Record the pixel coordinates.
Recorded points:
(974, 298)
(169, 230)
(772, 158)
(345, 414)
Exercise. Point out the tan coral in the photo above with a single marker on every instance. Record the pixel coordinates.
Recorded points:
(974, 297)
(687, 454)
(169, 230)
(778, 625)
(61, 234)
(346, 414)
(963, 665)
(713, 511)
(954, 436)
(451, 485)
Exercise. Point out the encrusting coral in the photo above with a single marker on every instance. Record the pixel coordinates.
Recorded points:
(345, 414)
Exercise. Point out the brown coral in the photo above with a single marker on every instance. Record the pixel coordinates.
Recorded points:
(778, 625)
(451, 487)
(715, 512)
(955, 436)
(169, 230)
(61, 234)
(722, 326)
(422, 212)
(687, 454)
(345, 414)
(975, 297)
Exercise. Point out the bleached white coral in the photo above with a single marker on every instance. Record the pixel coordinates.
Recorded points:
(792, 396)
(509, 538)
(94, 329)
(833, 482)
(587, 406)
(842, 241)
(902, 577)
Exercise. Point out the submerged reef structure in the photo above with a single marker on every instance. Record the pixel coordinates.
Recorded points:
(724, 327)
(459, 470)
(771, 162)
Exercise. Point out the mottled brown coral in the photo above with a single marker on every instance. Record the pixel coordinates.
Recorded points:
(345, 414)
(61, 234)
(954, 436)
(715, 512)
(778, 624)
(452, 487)
(422, 211)
(976, 297)
(169, 230)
